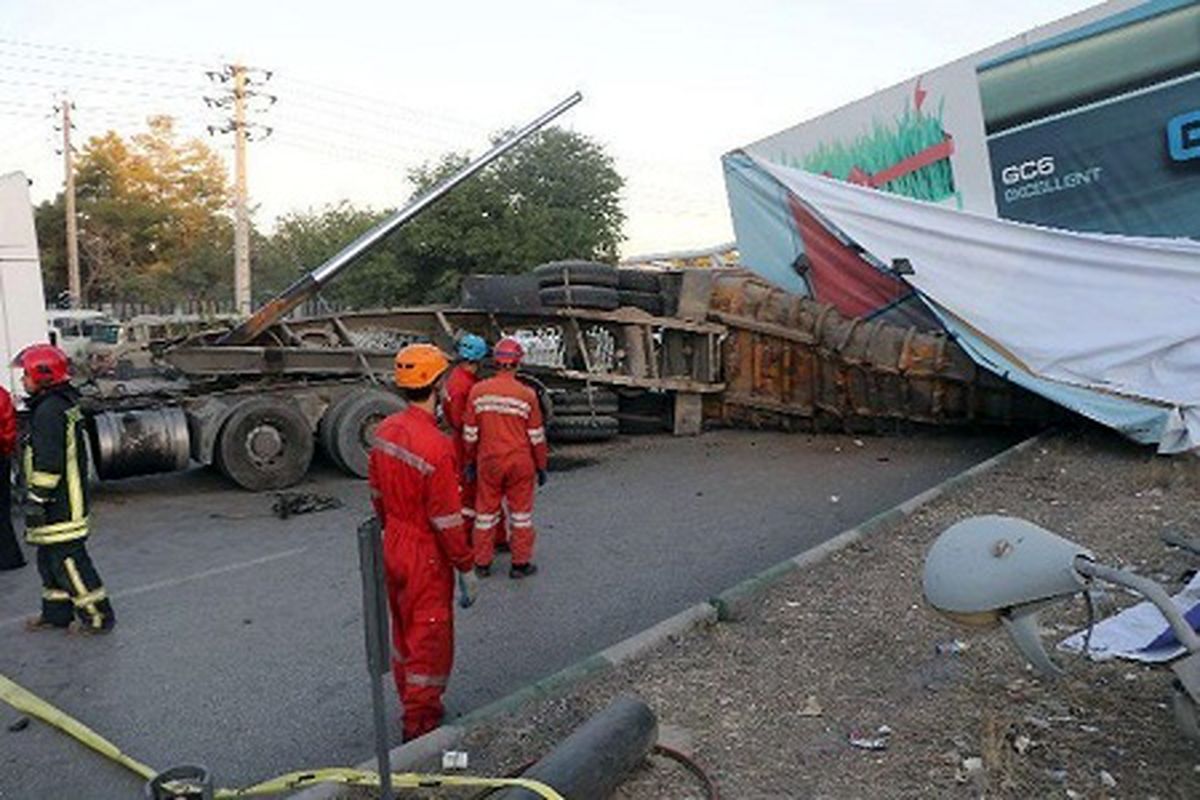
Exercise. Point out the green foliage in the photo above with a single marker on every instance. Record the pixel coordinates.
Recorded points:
(152, 215)
(154, 224)
(556, 196)
(884, 146)
(304, 239)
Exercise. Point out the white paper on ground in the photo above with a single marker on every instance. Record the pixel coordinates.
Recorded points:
(1125, 634)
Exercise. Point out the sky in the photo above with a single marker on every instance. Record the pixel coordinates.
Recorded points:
(367, 90)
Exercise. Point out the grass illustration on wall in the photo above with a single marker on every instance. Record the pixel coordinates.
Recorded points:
(878, 157)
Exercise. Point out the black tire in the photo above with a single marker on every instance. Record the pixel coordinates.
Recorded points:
(266, 443)
(356, 426)
(601, 297)
(571, 402)
(650, 303)
(639, 280)
(327, 427)
(577, 273)
(583, 429)
(644, 412)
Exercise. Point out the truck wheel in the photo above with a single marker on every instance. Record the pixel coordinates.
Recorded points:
(355, 427)
(602, 297)
(639, 280)
(571, 402)
(265, 444)
(590, 273)
(651, 303)
(327, 427)
(583, 429)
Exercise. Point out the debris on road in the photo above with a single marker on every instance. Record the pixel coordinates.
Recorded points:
(18, 725)
(290, 504)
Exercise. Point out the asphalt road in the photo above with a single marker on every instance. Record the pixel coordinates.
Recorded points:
(239, 641)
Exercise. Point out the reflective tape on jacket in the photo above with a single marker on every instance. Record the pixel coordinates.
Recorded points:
(485, 521)
(470, 433)
(420, 679)
(404, 454)
(447, 521)
(57, 532)
(537, 435)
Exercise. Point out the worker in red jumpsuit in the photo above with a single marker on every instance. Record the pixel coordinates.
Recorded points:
(413, 474)
(11, 556)
(472, 350)
(506, 449)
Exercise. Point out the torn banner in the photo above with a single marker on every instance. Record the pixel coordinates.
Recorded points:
(1108, 326)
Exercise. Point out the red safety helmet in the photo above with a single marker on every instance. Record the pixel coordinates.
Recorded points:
(508, 352)
(44, 366)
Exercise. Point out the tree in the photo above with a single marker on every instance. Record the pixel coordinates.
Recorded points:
(153, 218)
(304, 239)
(556, 196)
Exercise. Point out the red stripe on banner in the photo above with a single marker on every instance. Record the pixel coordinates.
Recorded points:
(930, 155)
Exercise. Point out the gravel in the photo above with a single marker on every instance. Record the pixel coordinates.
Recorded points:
(847, 649)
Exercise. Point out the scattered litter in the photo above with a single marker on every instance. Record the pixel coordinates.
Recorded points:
(972, 764)
(833, 498)
(1038, 722)
(1022, 743)
(1107, 780)
(879, 741)
(1073, 795)
(18, 725)
(811, 707)
(859, 443)
(1089, 729)
(289, 504)
(1139, 633)
(953, 647)
(792, 603)
(1058, 775)
(455, 759)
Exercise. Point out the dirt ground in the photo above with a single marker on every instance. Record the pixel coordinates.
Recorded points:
(767, 704)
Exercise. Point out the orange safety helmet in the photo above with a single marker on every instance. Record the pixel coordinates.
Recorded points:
(508, 352)
(419, 365)
(44, 366)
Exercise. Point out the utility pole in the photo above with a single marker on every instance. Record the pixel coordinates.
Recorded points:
(241, 225)
(74, 288)
(241, 78)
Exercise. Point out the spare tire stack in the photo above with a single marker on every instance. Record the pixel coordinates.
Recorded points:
(641, 289)
(583, 415)
(578, 284)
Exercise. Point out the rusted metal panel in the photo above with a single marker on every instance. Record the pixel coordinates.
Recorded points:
(788, 359)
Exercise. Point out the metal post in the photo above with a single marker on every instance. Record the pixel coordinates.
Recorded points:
(375, 629)
(74, 285)
(241, 229)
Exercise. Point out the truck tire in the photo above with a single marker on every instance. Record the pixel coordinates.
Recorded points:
(638, 280)
(601, 297)
(576, 273)
(327, 427)
(265, 444)
(573, 402)
(355, 427)
(583, 428)
(651, 303)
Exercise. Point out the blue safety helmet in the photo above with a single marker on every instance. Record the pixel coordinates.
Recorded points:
(472, 347)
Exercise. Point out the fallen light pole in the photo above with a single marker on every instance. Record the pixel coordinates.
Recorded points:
(594, 760)
(375, 635)
(992, 570)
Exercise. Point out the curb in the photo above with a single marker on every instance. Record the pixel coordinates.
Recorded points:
(724, 606)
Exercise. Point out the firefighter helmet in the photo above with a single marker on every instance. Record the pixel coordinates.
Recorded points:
(419, 365)
(508, 352)
(44, 366)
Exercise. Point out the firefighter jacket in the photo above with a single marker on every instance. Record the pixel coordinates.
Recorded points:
(56, 468)
(454, 405)
(504, 419)
(414, 486)
(8, 425)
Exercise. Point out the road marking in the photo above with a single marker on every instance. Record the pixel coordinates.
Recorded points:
(172, 582)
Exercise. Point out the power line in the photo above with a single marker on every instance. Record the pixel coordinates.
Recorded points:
(100, 53)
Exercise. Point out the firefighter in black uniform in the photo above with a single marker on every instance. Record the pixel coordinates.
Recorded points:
(56, 517)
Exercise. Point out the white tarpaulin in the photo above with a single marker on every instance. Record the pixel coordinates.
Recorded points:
(1114, 315)
(1139, 633)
